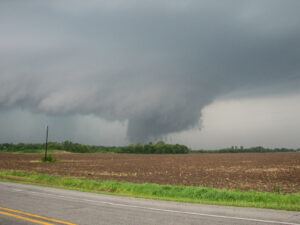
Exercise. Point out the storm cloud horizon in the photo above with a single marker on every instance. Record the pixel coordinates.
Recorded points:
(154, 64)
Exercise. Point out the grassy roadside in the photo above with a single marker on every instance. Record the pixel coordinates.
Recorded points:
(162, 192)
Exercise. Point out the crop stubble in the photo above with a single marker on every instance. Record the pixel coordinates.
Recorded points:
(257, 171)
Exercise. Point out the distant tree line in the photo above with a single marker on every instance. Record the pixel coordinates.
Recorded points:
(241, 149)
(150, 148)
(158, 148)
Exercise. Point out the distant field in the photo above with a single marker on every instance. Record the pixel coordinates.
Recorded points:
(270, 172)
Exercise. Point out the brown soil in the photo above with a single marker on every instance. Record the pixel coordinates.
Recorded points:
(230, 171)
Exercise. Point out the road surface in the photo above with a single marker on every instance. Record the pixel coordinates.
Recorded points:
(28, 205)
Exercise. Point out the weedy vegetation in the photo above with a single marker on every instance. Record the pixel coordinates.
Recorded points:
(48, 158)
(163, 192)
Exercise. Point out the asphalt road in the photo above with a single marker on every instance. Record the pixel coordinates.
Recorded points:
(25, 204)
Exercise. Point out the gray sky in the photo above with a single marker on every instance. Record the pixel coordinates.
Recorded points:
(208, 74)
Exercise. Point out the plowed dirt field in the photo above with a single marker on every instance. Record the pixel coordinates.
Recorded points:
(244, 171)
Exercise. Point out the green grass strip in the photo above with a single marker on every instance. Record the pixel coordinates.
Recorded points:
(191, 194)
(33, 151)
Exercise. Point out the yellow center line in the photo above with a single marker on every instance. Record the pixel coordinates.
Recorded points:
(25, 218)
(36, 216)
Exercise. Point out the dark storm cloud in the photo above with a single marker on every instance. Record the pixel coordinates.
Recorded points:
(153, 63)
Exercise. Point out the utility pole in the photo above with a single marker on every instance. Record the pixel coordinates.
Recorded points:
(46, 143)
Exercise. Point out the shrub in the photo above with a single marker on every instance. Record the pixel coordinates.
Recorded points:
(49, 158)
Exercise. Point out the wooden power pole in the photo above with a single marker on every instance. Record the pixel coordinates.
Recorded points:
(46, 143)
